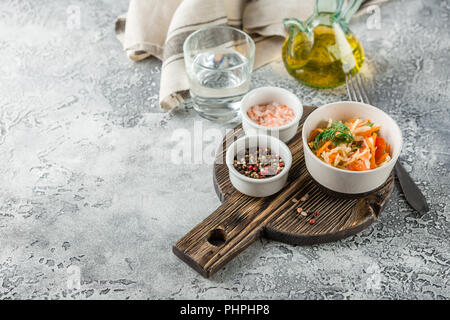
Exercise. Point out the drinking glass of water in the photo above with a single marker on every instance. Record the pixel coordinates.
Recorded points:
(219, 63)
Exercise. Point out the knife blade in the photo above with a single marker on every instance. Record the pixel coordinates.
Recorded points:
(413, 195)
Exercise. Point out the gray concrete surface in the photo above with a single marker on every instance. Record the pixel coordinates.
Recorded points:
(87, 183)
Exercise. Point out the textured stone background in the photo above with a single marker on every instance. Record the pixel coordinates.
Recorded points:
(86, 178)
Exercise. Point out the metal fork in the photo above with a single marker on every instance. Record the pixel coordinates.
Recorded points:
(357, 92)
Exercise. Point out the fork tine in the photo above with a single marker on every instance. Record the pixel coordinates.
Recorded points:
(362, 89)
(348, 87)
(355, 88)
(351, 89)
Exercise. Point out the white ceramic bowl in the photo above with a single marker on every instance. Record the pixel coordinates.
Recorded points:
(346, 181)
(265, 95)
(258, 187)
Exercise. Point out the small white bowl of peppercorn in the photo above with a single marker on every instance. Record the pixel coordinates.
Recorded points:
(258, 165)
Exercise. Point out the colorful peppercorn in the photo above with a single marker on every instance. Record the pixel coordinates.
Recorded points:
(258, 163)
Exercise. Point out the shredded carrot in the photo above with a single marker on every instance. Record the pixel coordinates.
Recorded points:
(332, 158)
(314, 133)
(326, 144)
(362, 124)
(368, 133)
(375, 129)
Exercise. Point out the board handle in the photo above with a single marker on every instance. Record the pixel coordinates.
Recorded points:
(219, 238)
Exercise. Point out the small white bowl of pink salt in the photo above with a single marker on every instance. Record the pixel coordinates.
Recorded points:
(272, 111)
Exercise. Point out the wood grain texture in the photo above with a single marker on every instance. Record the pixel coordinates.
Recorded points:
(241, 219)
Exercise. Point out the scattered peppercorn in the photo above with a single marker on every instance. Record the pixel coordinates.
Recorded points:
(317, 212)
(304, 198)
(312, 221)
(258, 163)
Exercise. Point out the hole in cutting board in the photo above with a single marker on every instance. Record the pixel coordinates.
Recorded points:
(217, 237)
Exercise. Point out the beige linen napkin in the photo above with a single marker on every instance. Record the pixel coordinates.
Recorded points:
(159, 28)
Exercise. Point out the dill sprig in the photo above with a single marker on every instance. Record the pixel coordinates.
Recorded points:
(338, 133)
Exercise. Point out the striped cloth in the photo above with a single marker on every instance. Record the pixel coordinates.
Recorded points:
(159, 28)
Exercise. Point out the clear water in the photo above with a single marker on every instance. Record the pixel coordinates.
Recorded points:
(217, 82)
(209, 70)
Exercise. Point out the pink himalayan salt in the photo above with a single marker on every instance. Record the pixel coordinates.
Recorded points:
(271, 115)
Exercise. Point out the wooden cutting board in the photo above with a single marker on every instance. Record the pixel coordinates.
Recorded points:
(241, 219)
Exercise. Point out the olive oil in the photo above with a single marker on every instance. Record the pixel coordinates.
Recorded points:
(322, 59)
